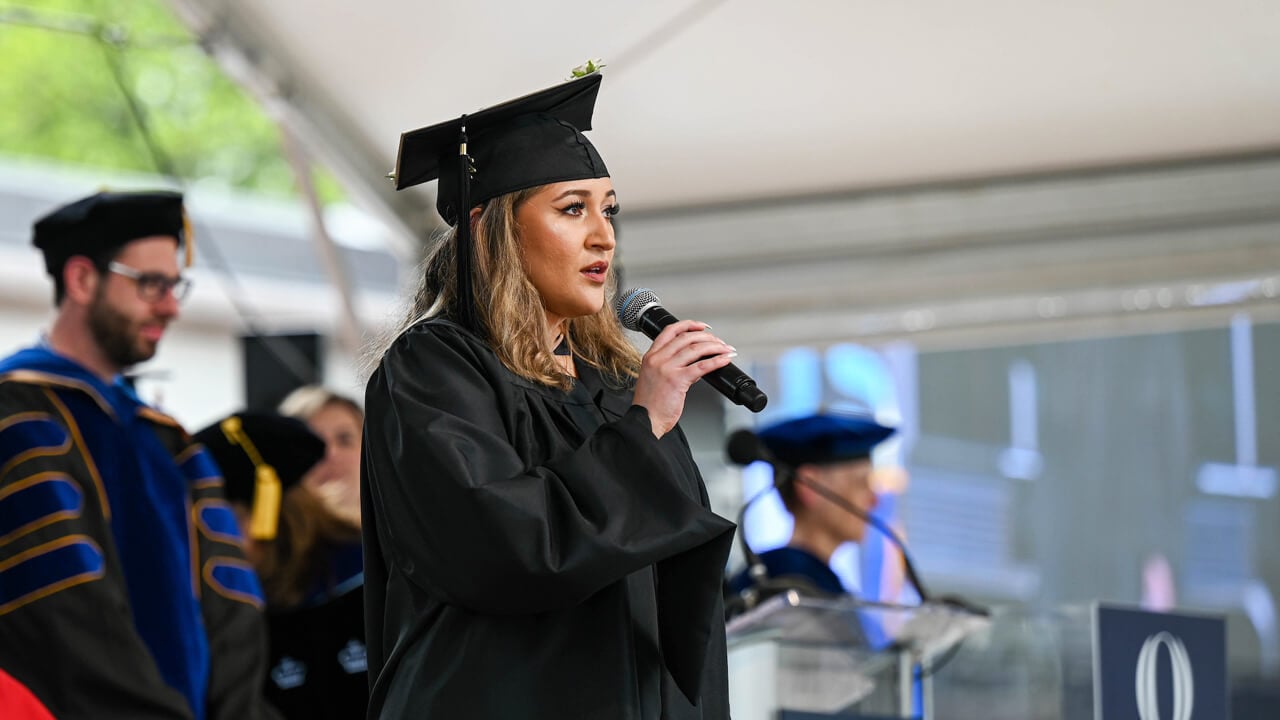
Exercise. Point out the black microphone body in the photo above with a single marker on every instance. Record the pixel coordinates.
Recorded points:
(729, 380)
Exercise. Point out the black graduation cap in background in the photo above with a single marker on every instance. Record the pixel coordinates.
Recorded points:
(530, 141)
(106, 221)
(261, 455)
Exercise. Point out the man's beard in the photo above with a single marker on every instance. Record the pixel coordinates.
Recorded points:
(116, 335)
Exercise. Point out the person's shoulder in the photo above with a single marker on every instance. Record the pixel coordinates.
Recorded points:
(434, 340)
(32, 370)
(16, 386)
(172, 434)
(23, 385)
(28, 366)
(433, 356)
(787, 560)
(12, 361)
(433, 332)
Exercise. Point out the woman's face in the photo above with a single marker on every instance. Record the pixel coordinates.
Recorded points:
(566, 234)
(336, 478)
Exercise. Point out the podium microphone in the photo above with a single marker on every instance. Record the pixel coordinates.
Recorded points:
(908, 567)
(639, 310)
(743, 449)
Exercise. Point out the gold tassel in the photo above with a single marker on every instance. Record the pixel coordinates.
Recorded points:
(264, 516)
(231, 428)
(266, 504)
(188, 237)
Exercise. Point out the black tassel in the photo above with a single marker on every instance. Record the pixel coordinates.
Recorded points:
(466, 302)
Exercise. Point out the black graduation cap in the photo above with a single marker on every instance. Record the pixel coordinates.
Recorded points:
(530, 141)
(105, 221)
(823, 438)
(261, 455)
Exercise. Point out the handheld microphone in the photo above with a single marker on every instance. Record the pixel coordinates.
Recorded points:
(639, 310)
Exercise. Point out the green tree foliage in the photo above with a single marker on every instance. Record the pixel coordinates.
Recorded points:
(59, 97)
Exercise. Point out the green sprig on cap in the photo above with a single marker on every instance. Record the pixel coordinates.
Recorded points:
(589, 67)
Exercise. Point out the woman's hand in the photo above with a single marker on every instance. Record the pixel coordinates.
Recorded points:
(342, 499)
(682, 353)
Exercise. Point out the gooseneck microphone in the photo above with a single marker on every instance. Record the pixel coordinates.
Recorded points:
(743, 449)
(639, 310)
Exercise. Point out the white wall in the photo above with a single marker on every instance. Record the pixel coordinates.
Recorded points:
(199, 376)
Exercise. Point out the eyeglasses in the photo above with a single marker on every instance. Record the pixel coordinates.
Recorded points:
(152, 287)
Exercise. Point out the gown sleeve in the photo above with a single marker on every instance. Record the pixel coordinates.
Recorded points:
(464, 516)
(231, 604)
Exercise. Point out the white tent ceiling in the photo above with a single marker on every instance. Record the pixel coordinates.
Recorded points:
(786, 168)
(708, 101)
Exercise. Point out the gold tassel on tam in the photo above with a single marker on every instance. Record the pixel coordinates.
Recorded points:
(264, 517)
(266, 504)
(188, 238)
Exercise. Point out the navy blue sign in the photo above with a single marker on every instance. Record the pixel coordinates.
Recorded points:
(1160, 666)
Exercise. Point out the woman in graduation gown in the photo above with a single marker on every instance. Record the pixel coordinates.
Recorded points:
(538, 541)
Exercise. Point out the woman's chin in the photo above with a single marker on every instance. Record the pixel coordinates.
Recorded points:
(588, 306)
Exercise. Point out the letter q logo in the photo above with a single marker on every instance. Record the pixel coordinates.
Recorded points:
(1145, 678)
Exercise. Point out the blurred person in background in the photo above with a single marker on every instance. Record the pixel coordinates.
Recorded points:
(823, 472)
(124, 590)
(339, 421)
(539, 540)
(309, 560)
(822, 466)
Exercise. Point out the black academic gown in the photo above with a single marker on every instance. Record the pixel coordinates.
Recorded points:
(531, 552)
(318, 659)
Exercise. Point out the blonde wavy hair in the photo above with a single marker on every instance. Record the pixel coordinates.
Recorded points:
(509, 307)
(306, 401)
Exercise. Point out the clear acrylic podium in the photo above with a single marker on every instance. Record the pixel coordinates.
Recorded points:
(803, 658)
(798, 657)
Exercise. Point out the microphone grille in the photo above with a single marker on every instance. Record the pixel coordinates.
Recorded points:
(631, 304)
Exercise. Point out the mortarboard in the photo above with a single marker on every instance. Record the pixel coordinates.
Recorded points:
(106, 221)
(530, 141)
(260, 456)
(823, 438)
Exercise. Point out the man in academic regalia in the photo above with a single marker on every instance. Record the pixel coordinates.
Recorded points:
(124, 591)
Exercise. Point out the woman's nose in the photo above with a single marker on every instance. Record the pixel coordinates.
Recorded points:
(602, 233)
